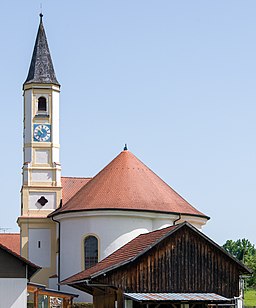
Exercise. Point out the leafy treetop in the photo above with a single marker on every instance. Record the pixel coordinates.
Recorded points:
(245, 252)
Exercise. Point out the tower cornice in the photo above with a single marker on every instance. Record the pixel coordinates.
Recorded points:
(34, 85)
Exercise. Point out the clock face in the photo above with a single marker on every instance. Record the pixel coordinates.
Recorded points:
(42, 132)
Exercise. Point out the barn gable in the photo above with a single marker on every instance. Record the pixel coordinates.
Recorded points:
(184, 262)
(178, 259)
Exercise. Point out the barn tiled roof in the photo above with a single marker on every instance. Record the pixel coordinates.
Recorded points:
(123, 255)
(41, 67)
(127, 184)
(11, 241)
(71, 185)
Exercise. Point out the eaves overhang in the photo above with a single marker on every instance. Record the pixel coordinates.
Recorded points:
(64, 212)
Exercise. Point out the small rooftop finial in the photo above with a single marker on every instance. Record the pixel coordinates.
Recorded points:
(41, 16)
(125, 147)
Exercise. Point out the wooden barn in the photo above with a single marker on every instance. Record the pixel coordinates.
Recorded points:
(176, 266)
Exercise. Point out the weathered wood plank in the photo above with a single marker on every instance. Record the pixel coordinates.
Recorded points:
(185, 262)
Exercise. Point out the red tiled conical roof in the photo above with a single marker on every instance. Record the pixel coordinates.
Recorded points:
(127, 184)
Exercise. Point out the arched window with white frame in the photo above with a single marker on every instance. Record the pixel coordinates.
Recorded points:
(91, 256)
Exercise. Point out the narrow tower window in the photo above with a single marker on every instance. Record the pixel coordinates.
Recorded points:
(42, 105)
(90, 251)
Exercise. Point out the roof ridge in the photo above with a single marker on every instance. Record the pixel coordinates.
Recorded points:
(159, 230)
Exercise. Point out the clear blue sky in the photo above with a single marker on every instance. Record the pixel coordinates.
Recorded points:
(176, 80)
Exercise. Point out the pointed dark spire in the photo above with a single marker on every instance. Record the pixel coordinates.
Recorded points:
(41, 67)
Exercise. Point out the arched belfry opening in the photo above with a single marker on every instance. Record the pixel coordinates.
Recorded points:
(42, 104)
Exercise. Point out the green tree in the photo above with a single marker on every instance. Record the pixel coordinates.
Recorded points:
(245, 252)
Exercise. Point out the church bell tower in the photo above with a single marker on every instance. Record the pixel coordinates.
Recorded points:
(41, 172)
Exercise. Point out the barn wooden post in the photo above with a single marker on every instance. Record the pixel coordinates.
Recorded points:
(65, 303)
(120, 298)
(36, 299)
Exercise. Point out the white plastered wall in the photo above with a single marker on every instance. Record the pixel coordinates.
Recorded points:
(13, 292)
(39, 246)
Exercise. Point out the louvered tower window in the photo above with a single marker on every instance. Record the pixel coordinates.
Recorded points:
(90, 251)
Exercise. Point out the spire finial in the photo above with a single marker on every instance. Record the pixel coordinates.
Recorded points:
(41, 17)
(125, 147)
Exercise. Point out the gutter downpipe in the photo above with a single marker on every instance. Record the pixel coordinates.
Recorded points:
(174, 222)
(58, 253)
(27, 272)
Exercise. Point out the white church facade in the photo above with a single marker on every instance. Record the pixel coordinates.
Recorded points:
(68, 224)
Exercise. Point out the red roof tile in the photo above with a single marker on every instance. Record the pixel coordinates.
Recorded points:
(126, 183)
(71, 185)
(11, 241)
(124, 254)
